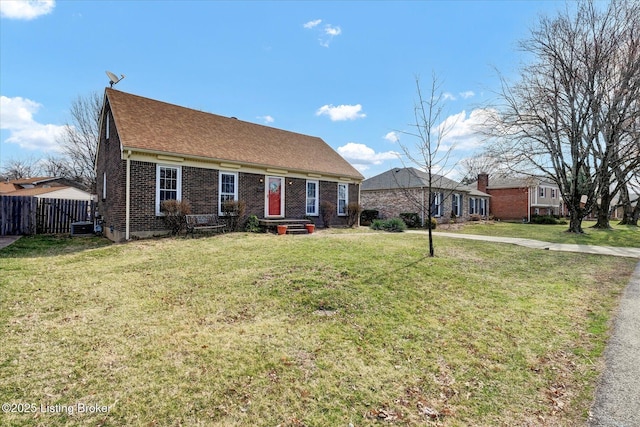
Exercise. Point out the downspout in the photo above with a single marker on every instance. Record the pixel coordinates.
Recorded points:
(127, 196)
(529, 204)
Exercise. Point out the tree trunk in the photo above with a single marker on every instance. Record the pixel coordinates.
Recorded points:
(602, 212)
(575, 221)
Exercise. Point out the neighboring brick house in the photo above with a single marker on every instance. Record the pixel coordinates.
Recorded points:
(405, 190)
(150, 151)
(521, 198)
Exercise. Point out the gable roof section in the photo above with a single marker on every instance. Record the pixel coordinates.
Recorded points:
(398, 178)
(148, 125)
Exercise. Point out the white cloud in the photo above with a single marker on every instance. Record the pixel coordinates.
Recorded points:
(25, 9)
(341, 112)
(326, 33)
(448, 96)
(267, 118)
(16, 116)
(312, 24)
(392, 137)
(467, 94)
(332, 31)
(362, 156)
(464, 132)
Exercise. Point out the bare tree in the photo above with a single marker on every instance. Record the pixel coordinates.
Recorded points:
(80, 138)
(21, 168)
(477, 164)
(430, 151)
(58, 167)
(568, 116)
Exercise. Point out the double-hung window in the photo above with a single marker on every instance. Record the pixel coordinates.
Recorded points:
(456, 204)
(472, 205)
(343, 196)
(437, 205)
(168, 184)
(227, 188)
(312, 198)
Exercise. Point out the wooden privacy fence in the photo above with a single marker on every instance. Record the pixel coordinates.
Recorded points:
(29, 215)
(17, 215)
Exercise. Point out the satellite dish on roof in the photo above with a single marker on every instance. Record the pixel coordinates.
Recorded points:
(113, 79)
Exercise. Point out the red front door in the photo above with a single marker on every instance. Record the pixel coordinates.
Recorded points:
(274, 196)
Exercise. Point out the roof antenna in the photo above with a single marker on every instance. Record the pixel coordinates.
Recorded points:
(113, 79)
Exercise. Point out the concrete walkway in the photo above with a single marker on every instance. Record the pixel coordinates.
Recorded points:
(7, 240)
(537, 244)
(617, 402)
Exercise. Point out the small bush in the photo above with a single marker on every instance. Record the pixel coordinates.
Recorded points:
(475, 217)
(544, 219)
(252, 225)
(233, 213)
(434, 224)
(367, 216)
(174, 214)
(353, 212)
(376, 224)
(392, 225)
(411, 219)
(327, 212)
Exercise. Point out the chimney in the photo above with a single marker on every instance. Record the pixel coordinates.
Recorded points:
(483, 182)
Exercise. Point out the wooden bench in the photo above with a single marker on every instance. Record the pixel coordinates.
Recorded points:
(203, 222)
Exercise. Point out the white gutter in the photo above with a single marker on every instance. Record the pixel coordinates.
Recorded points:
(127, 197)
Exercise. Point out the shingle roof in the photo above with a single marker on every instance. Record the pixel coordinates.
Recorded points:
(413, 178)
(516, 182)
(155, 126)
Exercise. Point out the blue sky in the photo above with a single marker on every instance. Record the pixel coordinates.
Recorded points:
(343, 71)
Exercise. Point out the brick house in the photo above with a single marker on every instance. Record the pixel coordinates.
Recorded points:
(521, 198)
(405, 190)
(150, 151)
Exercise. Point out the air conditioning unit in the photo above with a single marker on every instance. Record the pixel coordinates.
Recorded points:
(81, 228)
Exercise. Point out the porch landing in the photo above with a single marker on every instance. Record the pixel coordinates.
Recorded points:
(294, 226)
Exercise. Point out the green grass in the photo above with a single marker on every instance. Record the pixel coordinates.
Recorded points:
(619, 236)
(328, 329)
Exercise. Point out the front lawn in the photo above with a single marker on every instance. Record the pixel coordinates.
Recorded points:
(320, 330)
(619, 236)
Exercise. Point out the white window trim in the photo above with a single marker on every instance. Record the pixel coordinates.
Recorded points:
(178, 184)
(472, 205)
(235, 188)
(306, 202)
(346, 200)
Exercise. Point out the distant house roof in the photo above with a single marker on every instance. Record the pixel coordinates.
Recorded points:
(52, 187)
(148, 125)
(498, 182)
(70, 193)
(398, 178)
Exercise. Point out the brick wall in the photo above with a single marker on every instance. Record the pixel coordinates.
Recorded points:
(109, 162)
(508, 203)
(391, 203)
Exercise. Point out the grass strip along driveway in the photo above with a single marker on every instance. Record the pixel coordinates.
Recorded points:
(321, 330)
